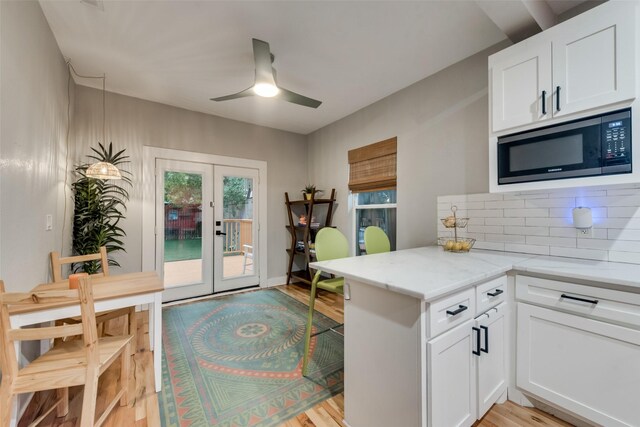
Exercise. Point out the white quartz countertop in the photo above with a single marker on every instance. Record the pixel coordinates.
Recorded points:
(430, 273)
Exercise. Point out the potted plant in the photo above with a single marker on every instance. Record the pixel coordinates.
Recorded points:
(99, 205)
(309, 190)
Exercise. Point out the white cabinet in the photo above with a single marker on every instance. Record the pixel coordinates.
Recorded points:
(452, 379)
(521, 83)
(467, 369)
(586, 366)
(581, 64)
(491, 372)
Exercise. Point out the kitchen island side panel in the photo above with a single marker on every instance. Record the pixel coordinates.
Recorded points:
(383, 352)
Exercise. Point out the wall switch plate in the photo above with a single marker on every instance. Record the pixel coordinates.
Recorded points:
(49, 225)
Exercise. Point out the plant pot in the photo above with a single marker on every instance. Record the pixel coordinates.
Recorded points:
(307, 196)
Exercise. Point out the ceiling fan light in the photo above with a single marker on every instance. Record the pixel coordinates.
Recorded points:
(103, 170)
(266, 90)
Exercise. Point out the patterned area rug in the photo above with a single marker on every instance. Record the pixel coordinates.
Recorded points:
(237, 360)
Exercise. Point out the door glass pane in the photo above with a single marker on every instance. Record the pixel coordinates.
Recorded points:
(238, 226)
(182, 228)
(384, 218)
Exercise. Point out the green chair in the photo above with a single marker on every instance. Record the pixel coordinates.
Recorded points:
(330, 244)
(376, 241)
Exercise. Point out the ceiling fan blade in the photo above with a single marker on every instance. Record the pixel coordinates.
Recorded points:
(262, 59)
(296, 98)
(246, 92)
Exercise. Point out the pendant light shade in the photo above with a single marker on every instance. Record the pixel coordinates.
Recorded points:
(103, 170)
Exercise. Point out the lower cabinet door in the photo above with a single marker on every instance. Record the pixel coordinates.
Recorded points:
(588, 367)
(451, 377)
(492, 362)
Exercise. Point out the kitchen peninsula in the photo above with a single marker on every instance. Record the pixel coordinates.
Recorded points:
(430, 336)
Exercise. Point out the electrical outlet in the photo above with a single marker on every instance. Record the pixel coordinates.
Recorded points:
(49, 221)
(586, 233)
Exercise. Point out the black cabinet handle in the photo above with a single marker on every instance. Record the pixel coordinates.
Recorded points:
(557, 98)
(544, 102)
(590, 301)
(220, 233)
(458, 310)
(495, 293)
(486, 339)
(477, 350)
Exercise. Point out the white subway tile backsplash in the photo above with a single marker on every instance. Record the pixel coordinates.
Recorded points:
(527, 231)
(484, 197)
(541, 223)
(506, 238)
(624, 212)
(485, 229)
(615, 234)
(551, 203)
(526, 213)
(502, 204)
(549, 222)
(485, 213)
(566, 242)
(504, 221)
(562, 232)
(580, 253)
(526, 249)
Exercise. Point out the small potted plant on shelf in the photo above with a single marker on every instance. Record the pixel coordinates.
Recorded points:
(309, 190)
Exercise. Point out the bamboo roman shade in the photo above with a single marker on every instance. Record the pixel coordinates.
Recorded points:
(373, 167)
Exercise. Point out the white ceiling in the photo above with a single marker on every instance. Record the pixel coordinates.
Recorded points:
(346, 54)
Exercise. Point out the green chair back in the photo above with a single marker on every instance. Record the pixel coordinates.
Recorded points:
(331, 244)
(376, 240)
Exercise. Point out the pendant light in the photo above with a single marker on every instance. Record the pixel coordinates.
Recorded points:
(103, 170)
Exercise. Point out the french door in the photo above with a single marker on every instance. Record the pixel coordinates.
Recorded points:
(206, 239)
(236, 228)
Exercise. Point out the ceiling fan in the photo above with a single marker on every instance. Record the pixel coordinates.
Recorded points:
(265, 82)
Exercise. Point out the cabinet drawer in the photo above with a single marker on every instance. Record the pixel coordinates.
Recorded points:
(451, 311)
(592, 301)
(491, 293)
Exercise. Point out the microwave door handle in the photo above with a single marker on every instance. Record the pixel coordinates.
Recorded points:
(557, 98)
(544, 102)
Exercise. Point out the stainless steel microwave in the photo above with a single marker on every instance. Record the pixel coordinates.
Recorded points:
(597, 145)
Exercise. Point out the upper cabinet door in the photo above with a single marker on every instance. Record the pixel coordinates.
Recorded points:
(594, 59)
(521, 82)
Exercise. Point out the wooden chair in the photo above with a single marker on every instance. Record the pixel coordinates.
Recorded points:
(330, 244)
(67, 363)
(56, 269)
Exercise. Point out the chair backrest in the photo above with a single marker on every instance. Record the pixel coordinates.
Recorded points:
(331, 244)
(376, 240)
(57, 262)
(88, 329)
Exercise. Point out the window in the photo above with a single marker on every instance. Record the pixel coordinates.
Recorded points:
(375, 208)
(372, 179)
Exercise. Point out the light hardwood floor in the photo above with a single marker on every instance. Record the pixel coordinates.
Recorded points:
(144, 410)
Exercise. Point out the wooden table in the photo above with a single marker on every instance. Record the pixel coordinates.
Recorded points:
(109, 293)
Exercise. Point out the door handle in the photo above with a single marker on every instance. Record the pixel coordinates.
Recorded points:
(544, 102)
(459, 310)
(486, 339)
(557, 98)
(477, 350)
(495, 293)
(220, 233)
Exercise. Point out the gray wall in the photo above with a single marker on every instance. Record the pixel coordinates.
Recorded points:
(33, 141)
(442, 125)
(133, 123)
